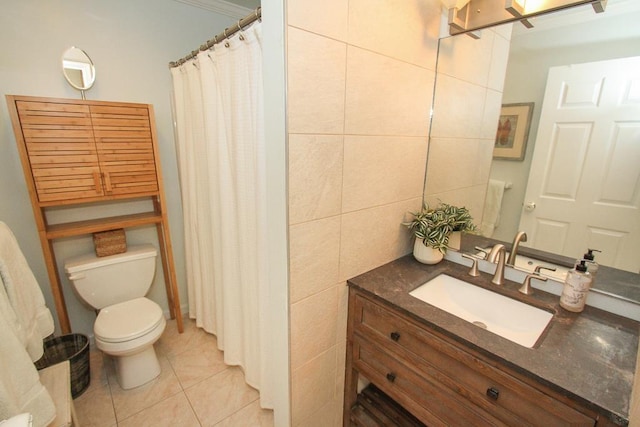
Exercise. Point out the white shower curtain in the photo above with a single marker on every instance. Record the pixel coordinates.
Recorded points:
(218, 102)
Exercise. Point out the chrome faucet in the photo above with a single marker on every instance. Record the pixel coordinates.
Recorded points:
(498, 276)
(521, 236)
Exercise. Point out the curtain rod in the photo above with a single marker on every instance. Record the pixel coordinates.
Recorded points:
(228, 32)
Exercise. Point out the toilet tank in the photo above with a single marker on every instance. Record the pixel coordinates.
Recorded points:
(104, 281)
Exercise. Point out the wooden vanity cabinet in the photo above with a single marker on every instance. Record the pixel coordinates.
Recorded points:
(440, 382)
(77, 152)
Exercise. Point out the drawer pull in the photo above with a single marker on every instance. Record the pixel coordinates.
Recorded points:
(493, 393)
(395, 336)
(391, 377)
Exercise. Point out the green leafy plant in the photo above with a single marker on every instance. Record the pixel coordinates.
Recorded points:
(434, 226)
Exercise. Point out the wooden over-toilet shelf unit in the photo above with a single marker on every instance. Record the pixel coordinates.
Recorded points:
(79, 152)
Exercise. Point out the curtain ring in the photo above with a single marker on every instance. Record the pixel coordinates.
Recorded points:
(226, 44)
(258, 17)
(241, 37)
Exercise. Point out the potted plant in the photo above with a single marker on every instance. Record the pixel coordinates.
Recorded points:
(432, 229)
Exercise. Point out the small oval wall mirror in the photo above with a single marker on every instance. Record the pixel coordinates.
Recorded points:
(78, 69)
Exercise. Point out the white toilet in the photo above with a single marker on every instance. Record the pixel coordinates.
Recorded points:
(128, 324)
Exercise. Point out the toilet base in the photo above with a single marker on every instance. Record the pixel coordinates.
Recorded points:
(137, 369)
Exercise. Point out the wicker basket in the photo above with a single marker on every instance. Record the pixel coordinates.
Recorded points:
(110, 242)
(75, 349)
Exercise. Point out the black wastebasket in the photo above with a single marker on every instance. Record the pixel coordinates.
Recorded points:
(75, 349)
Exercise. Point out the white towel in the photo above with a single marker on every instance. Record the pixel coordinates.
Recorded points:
(20, 386)
(492, 206)
(20, 420)
(34, 318)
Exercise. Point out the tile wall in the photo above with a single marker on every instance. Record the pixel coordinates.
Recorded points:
(360, 84)
(466, 110)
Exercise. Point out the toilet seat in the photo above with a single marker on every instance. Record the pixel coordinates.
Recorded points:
(127, 320)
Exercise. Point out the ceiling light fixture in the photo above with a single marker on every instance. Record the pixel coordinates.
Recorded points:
(468, 16)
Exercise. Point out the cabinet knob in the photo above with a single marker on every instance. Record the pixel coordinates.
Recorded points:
(395, 336)
(493, 393)
(391, 377)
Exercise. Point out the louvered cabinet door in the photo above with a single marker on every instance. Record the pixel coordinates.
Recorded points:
(61, 150)
(125, 149)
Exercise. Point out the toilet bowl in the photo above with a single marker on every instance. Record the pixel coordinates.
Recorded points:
(127, 332)
(128, 324)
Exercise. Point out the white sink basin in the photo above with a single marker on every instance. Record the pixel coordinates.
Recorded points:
(511, 319)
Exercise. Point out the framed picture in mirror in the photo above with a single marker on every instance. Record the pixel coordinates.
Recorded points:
(513, 131)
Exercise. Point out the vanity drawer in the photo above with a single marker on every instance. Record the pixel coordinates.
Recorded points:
(477, 382)
(429, 401)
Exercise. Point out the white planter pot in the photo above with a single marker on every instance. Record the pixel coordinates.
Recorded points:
(426, 254)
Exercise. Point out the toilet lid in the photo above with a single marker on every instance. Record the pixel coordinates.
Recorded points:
(127, 320)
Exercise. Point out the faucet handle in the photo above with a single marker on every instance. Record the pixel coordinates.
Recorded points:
(542, 267)
(474, 266)
(526, 286)
(483, 251)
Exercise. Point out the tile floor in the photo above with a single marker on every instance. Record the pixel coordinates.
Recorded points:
(195, 389)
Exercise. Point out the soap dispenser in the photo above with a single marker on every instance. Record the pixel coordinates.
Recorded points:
(592, 266)
(576, 287)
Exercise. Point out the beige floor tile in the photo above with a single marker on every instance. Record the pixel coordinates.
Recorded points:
(171, 412)
(99, 365)
(202, 337)
(129, 402)
(172, 342)
(220, 396)
(199, 363)
(95, 407)
(251, 415)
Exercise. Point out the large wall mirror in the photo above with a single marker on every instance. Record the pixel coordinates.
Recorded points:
(558, 40)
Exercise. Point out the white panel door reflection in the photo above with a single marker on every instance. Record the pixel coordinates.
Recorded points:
(585, 172)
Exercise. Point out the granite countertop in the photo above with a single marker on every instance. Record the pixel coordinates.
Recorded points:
(588, 356)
